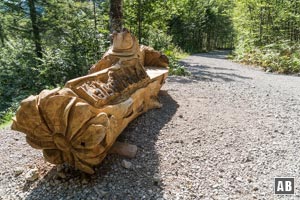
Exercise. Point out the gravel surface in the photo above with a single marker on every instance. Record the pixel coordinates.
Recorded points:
(224, 132)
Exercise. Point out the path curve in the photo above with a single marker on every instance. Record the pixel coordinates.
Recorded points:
(242, 128)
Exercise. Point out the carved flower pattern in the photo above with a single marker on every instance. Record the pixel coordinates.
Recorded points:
(65, 127)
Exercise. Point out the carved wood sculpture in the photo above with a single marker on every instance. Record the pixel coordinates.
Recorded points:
(79, 123)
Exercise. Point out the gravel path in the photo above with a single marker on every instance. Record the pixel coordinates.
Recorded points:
(223, 133)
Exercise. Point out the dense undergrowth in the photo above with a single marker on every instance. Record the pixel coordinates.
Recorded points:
(267, 34)
(283, 57)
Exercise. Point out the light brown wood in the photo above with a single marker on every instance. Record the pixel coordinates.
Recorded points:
(126, 47)
(123, 149)
(79, 123)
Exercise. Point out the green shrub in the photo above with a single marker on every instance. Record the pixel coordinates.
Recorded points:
(163, 42)
(175, 67)
(282, 57)
(7, 115)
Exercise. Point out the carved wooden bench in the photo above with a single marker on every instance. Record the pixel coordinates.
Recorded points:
(79, 123)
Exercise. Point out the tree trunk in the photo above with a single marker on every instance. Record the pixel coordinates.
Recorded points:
(35, 29)
(96, 43)
(95, 18)
(140, 21)
(260, 24)
(1, 34)
(116, 15)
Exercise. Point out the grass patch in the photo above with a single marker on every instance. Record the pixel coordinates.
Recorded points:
(176, 68)
(7, 115)
(5, 124)
(181, 55)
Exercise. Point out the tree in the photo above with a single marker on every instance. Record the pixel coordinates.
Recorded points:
(116, 15)
(267, 33)
(46, 43)
(1, 34)
(35, 29)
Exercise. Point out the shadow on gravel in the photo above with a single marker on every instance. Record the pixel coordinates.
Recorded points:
(217, 54)
(111, 180)
(208, 73)
(200, 73)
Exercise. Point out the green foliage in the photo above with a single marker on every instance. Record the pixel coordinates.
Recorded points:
(159, 40)
(202, 25)
(282, 57)
(7, 115)
(267, 34)
(175, 67)
(72, 35)
(18, 74)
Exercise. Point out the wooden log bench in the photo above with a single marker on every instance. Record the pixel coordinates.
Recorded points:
(79, 123)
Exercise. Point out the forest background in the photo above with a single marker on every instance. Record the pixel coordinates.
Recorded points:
(45, 43)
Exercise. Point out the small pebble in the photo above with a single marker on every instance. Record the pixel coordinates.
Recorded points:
(18, 171)
(84, 181)
(126, 164)
(32, 174)
(61, 175)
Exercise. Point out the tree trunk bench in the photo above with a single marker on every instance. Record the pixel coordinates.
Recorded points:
(79, 123)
